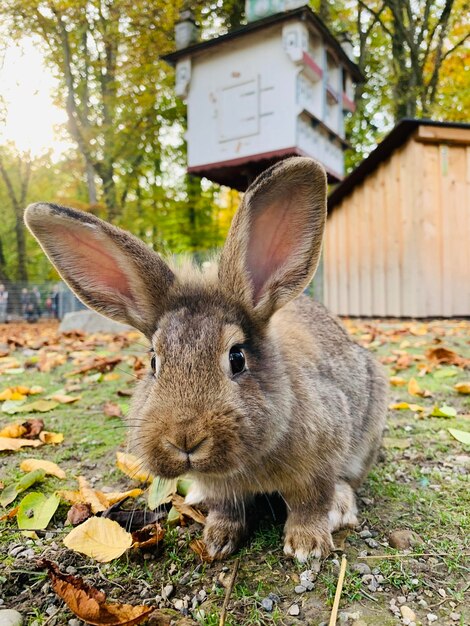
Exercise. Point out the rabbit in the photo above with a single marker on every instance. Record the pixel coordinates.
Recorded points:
(253, 387)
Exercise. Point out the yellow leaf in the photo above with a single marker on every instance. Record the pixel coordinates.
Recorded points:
(463, 387)
(400, 406)
(38, 405)
(13, 430)
(48, 437)
(74, 497)
(62, 398)
(91, 496)
(116, 496)
(111, 376)
(7, 443)
(397, 381)
(413, 388)
(133, 467)
(29, 465)
(35, 389)
(99, 538)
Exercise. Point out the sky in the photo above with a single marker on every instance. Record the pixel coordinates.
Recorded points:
(26, 89)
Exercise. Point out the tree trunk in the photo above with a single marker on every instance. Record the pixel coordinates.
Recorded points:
(91, 183)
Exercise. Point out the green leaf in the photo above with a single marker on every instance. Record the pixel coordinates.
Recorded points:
(445, 372)
(183, 486)
(36, 510)
(173, 516)
(443, 411)
(461, 435)
(12, 406)
(40, 406)
(10, 493)
(160, 491)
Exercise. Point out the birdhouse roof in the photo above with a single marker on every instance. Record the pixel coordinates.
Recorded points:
(304, 14)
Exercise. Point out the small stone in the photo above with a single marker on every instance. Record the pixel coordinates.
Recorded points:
(372, 543)
(401, 599)
(365, 534)
(294, 610)
(274, 597)
(74, 622)
(407, 613)
(71, 570)
(202, 595)
(179, 605)
(361, 568)
(51, 609)
(422, 602)
(307, 574)
(168, 591)
(432, 617)
(15, 551)
(442, 593)
(300, 589)
(10, 617)
(267, 605)
(185, 578)
(455, 617)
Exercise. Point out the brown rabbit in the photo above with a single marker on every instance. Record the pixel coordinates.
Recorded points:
(253, 387)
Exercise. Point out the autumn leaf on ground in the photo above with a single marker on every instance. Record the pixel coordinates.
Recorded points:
(397, 381)
(9, 514)
(113, 497)
(78, 513)
(63, 398)
(41, 406)
(8, 444)
(99, 538)
(111, 409)
(445, 356)
(29, 465)
(199, 547)
(100, 364)
(414, 389)
(401, 406)
(48, 437)
(91, 496)
(36, 510)
(186, 510)
(461, 435)
(111, 376)
(13, 431)
(443, 411)
(132, 466)
(10, 493)
(396, 442)
(463, 388)
(89, 604)
(148, 536)
(160, 491)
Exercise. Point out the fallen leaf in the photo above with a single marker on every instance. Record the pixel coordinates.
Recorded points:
(443, 411)
(445, 372)
(29, 465)
(111, 376)
(34, 426)
(186, 510)
(99, 538)
(13, 430)
(63, 398)
(183, 486)
(78, 513)
(445, 356)
(9, 514)
(111, 409)
(89, 604)
(100, 364)
(460, 387)
(414, 389)
(461, 435)
(9, 444)
(132, 466)
(91, 496)
(48, 437)
(10, 493)
(160, 491)
(41, 406)
(397, 381)
(11, 406)
(396, 442)
(36, 510)
(199, 547)
(117, 496)
(132, 519)
(148, 536)
(401, 406)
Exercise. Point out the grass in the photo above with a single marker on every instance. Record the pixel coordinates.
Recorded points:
(421, 483)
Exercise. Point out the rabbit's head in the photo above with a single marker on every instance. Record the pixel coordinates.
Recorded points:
(215, 397)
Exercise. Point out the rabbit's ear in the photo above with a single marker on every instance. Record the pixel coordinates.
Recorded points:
(110, 270)
(274, 243)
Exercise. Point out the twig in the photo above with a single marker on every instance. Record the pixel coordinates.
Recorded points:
(339, 588)
(231, 582)
(51, 617)
(411, 554)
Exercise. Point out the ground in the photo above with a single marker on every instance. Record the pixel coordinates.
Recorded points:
(419, 484)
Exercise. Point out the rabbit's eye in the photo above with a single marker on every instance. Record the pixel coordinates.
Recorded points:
(153, 363)
(237, 360)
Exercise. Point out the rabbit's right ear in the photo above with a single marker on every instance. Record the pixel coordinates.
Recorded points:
(109, 269)
(274, 243)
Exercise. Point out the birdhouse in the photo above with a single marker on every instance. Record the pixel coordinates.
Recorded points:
(280, 85)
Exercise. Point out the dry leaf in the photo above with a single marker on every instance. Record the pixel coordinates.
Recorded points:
(111, 376)
(119, 496)
(100, 364)
(73, 497)
(78, 513)
(199, 547)
(9, 514)
(34, 426)
(132, 466)
(445, 356)
(13, 431)
(400, 406)
(111, 409)
(63, 398)
(99, 538)
(186, 510)
(148, 536)
(91, 496)
(9, 444)
(29, 465)
(397, 381)
(415, 390)
(41, 406)
(48, 437)
(89, 604)
(460, 387)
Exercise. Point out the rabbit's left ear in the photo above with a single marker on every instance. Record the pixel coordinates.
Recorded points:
(109, 269)
(274, 243)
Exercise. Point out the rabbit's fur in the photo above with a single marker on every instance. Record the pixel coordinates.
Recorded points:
(304, 419)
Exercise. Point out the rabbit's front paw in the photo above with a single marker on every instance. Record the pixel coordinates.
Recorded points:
(222, 535)
(308, 540)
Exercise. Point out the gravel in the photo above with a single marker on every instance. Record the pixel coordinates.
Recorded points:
(294, 610)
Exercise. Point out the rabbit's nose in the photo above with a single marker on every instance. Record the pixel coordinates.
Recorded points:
(185, 444)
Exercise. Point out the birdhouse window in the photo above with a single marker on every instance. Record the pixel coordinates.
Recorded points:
(239, 110)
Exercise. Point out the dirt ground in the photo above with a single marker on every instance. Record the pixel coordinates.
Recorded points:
(420, 486)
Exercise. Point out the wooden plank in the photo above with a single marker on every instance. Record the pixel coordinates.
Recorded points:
(447, 217)
(353, 248)
(460, 273)
(407, 186)
(377, 242)
(343, 278)
(439, 134)
(393, 236)
(365, 301)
